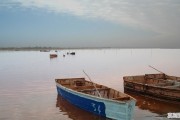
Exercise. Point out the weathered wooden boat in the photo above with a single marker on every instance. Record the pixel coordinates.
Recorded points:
(53, 55)
(156, 85)
(96, 98)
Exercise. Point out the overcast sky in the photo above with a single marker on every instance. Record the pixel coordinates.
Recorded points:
(90, 23)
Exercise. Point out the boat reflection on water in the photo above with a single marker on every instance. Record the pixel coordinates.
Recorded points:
(154, 105)
(143, 103)
(74, 112)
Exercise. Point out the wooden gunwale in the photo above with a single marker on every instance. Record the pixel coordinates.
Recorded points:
(154, 86)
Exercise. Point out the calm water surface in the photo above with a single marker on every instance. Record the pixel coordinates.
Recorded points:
(28, 91)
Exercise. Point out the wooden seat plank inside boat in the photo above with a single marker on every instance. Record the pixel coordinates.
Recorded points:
(89, 90)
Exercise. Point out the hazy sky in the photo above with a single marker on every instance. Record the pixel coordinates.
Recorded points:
(90, 23)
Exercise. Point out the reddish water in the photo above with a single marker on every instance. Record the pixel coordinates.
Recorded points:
(27, 87)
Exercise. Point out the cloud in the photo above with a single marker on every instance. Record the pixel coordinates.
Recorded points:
(159, 16)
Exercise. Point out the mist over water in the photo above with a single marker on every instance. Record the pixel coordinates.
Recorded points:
(27, 80)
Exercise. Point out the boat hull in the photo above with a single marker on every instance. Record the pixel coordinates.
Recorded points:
(53, 55)
(99, 106)
(154, 91)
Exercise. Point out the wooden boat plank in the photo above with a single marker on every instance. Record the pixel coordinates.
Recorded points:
(121, 98)
(89, 90)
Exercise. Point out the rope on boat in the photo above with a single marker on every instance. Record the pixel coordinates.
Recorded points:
(93, 83)
(156, 69)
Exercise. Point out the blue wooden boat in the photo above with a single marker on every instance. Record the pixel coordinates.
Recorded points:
(95, 98)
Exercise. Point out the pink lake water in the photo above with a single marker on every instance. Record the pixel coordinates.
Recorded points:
(28, 91)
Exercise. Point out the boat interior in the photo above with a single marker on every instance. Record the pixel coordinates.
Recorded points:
(87, 87)
(161, 80)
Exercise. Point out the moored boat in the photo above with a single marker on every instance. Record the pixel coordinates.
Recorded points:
(95, 98)
(160, 86)
(71, 53)
(53, 55)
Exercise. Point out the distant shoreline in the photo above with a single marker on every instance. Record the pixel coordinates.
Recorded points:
(56, 48)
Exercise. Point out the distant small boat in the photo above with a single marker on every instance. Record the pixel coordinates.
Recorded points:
(71, 53)
(44, 50)
(100, 100)
(53, 55)
(157, 85)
